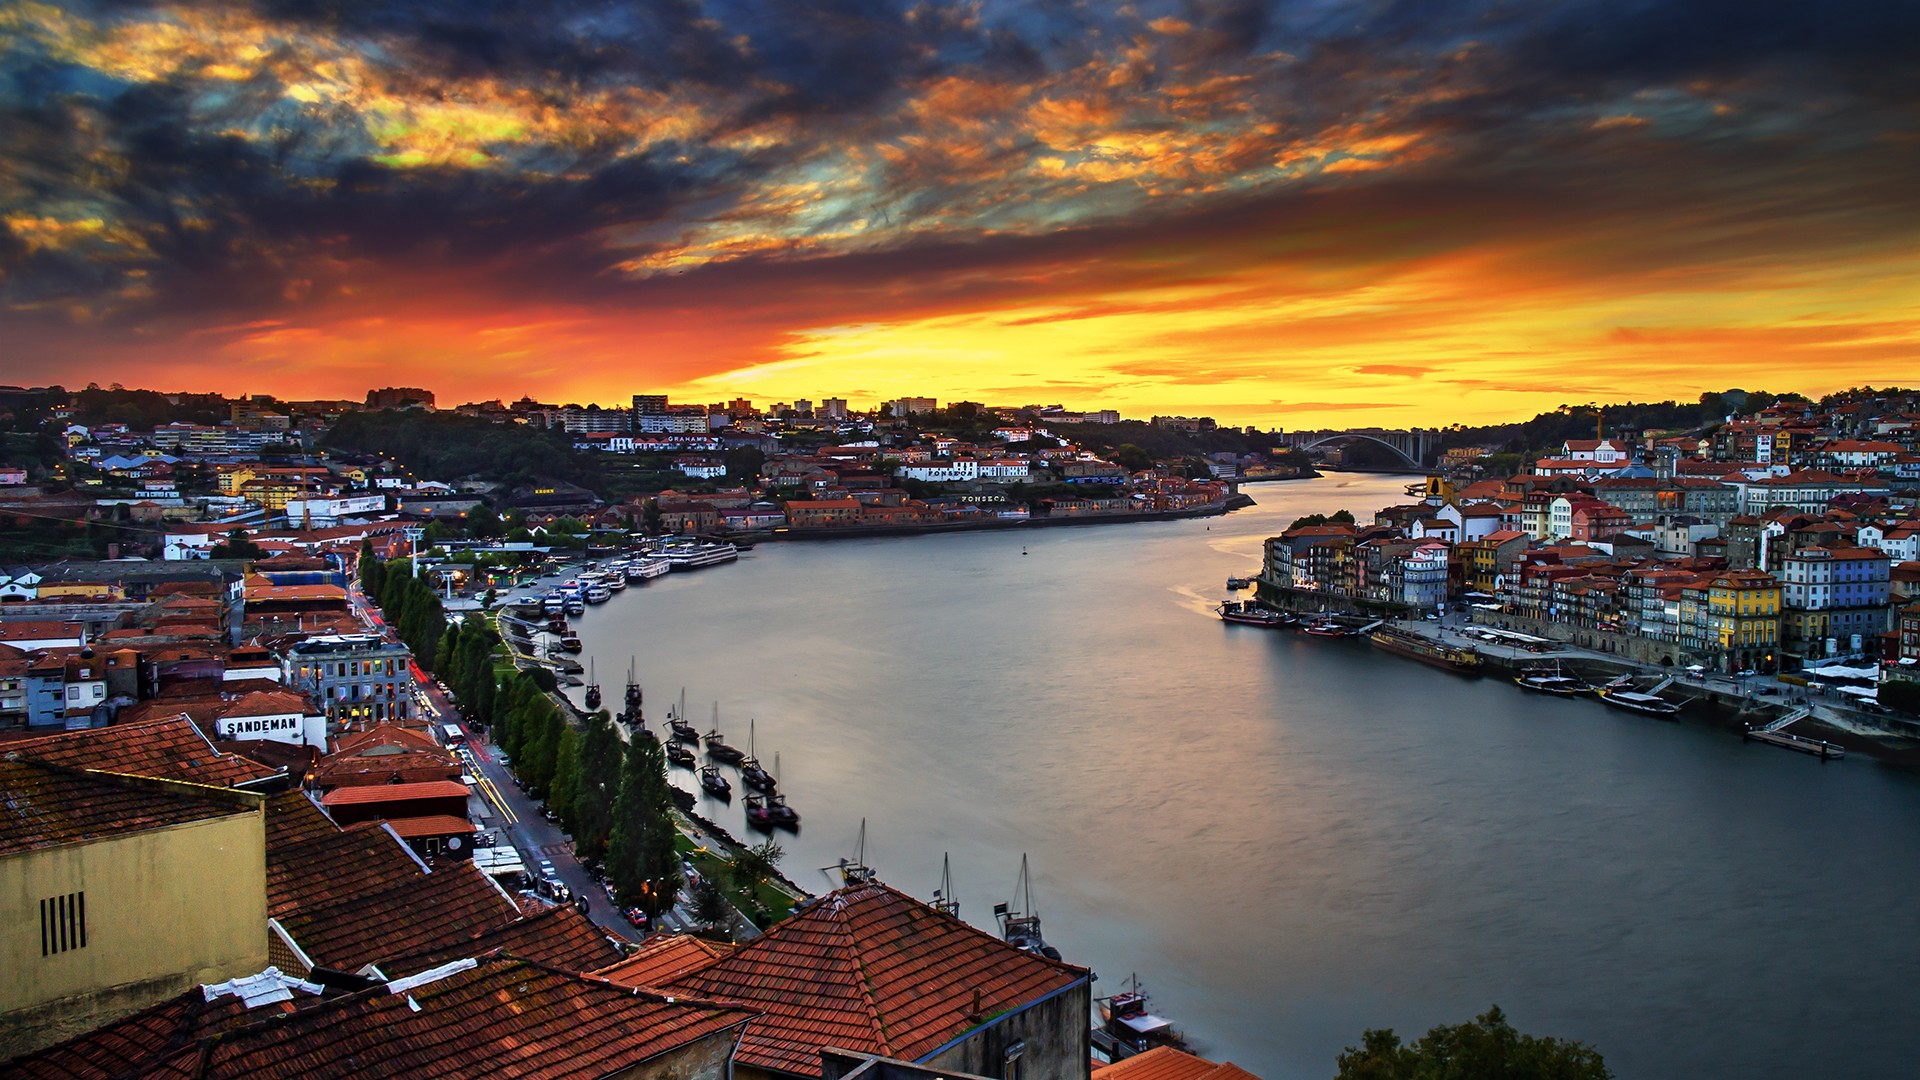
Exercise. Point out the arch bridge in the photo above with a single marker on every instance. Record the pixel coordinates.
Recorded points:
(1415, 447)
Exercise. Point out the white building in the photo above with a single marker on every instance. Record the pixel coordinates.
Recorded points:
(954, 470)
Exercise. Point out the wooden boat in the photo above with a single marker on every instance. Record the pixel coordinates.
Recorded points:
(1020, 926)
(757, 815)
(677, 722)
(678, 754)
(1458, 659)
(1551, 681)
(783, 815)
(593, 698)
(752, 773)
(1127, 1027)
(717, 747)
(1252, 614)
(715, 784)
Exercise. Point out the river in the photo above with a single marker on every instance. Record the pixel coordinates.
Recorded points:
(1292, 840)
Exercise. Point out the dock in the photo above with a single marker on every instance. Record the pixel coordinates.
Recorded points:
(1776, 734)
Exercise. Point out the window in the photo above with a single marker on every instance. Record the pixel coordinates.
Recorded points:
(63, 923)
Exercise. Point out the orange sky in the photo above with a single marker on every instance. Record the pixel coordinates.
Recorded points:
(1270, 220)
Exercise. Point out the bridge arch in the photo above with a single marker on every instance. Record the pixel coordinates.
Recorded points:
(1347, 436)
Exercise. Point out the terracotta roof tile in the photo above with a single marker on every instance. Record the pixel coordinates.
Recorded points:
(872, 970)
(354, 897)
(1166, 1063)
(665, 957)
(502, 1017)
(170, 749)
(429, 825)
(555, 935)
(44, 805)
(379, 793)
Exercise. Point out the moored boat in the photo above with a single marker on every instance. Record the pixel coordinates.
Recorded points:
(692, 556)
(1250, 613)
(782, 814)
(678, 754)
(1328, 626)
(645, 569)
(598, 594)
(1459, 659)
(1649, 704)
(717, 747)
(1128, 1027)
(1551, 681)
(757, 815)
(715, 784)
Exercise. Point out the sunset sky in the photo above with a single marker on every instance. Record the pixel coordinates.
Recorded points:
(1296, 214)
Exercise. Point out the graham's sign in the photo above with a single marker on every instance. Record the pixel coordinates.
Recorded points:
(259, 725)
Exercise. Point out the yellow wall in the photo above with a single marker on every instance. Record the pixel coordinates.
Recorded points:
(165, 909)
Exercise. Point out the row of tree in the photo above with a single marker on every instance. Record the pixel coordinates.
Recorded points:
(613, 801)
(409, 604)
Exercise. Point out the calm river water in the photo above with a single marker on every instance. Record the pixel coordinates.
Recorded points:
(1292, 840)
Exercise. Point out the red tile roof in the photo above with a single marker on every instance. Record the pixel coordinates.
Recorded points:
(429, 825)
(555, 935)
(170, 748)
(1166, 1063)
(665, 957)
(48, 806)
(379, 793)
(357, 896)
(500, 1017)
(872, 970)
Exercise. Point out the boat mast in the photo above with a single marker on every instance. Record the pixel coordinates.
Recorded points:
(943, 899)
(855, 871)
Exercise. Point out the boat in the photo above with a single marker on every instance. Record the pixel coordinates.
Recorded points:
(555, 603)
(1650, 704)
(557, 624)
(1463, 660)
(715, 784)
(576, 606)
(677, 723)
(1328, 626)
(783, 815)
(1020, 927)
(1250, 613)
(1235, 584)
(646, 569)
(598, 594)
(693, 556)
(593, 688)
(751, 772)
(757, 815)
(570, 641)
(678, 754)
(1551, 681)
(616, 580)
(634, 696)
(1128, 1027)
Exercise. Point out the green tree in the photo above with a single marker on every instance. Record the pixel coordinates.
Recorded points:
(563, 795)
(1132, 457)
(482, 522)
(600, 762)
(641, 861)
(755, 864)
(710, 905)
(1488, 1048)
(237, 546)
(446, 660)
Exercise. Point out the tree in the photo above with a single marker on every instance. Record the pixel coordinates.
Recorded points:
(563, 796)
(1132, 457)
(237, 546)
(754, 864)
(641, 861)
(710, 904)
(600, 762)
(1486, 1047)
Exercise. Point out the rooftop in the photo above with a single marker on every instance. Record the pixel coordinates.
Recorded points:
(171, 748)
(871, 970)
(46, 806)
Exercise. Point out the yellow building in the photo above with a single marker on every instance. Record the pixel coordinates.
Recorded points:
(117, 892)
(1743, 618)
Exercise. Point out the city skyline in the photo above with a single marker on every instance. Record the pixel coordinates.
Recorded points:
(1288, 216)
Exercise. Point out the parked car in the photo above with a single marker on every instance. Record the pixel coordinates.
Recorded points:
(637, 917)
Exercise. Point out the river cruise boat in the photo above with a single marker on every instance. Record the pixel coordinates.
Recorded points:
(1328, 626)
(685, 556)
(1632, 701)
(1551, 681)
(1128, 1026)
(1463, 660)
(715, 784)
(1252, 614)
(646, 569)
(678, 754)
(555, 603)
(576, 605)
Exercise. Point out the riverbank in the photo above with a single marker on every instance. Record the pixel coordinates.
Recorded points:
(853, 532)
